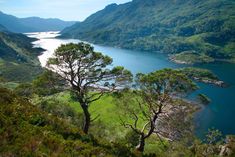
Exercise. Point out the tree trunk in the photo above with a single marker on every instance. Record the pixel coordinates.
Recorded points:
(87, 118)
(141, 144)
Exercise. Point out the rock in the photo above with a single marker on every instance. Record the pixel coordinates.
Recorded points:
(225, 151)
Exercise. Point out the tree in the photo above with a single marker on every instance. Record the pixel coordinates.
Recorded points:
(213, 136)
(213, 144)
(88, 73)
(157, 96)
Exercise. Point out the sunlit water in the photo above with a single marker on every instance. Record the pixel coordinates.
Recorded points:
(219, 114)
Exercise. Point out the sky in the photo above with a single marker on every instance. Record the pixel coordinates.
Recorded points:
(73, 10)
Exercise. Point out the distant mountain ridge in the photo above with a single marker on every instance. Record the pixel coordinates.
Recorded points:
(32, 24)
(2, 28)
(200, 29)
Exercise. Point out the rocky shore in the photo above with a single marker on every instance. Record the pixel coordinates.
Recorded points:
(203, 75)
(209, 81)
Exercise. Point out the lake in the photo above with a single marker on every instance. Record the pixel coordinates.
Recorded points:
(219, 114)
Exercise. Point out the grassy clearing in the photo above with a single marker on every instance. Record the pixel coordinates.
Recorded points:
(108, 123)
(107, 111)
(9, 85)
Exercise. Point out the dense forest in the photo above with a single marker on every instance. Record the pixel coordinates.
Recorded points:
(191, 31)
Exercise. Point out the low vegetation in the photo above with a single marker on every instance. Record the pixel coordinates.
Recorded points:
(29, 131)
(52, 127)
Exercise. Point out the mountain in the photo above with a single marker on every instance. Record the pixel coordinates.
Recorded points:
(2, 28)
(203, 30)
(18, 58)
(13, 23)
(46, 24)
(32, 24)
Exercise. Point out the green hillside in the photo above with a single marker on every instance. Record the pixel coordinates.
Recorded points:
(202, 28)
(18, 60)
(51, 126)
(28, 131)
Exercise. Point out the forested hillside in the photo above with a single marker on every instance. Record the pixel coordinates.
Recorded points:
(32, 24)
(18, 60)
(196, 30)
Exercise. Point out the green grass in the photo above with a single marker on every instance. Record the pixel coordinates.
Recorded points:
(105, 108)
(109, 118)
(198, 38)
(9, 85)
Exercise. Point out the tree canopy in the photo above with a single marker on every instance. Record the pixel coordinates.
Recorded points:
(157, 94)
(88, 73)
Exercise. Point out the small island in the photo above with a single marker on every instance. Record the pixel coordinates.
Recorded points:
(203, 99)
(190, 57)
(203, 75)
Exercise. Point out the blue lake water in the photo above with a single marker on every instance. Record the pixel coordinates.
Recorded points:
(219, 114)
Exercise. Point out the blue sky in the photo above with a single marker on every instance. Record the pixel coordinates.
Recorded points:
(76, 10)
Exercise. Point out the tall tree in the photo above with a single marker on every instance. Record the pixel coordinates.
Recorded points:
(156, 96)
(88, 73)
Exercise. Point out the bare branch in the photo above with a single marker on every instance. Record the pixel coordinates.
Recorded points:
(127, 125)
(92, 120)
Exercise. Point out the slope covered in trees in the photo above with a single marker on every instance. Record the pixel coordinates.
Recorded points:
(32, 24)
(18, 58)
(200, 29)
